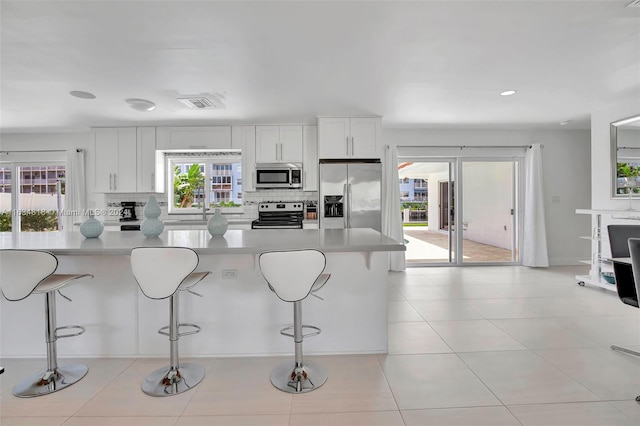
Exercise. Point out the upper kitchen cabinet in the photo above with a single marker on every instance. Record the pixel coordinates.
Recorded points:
(310, 158)
(209, 137)
(125, 159)
(278, 144)
(116, 153)
(244, 138)
(349, 137)
(146, 151)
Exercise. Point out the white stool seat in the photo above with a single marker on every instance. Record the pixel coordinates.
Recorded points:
(57, 281)
(161, 272)
(193, 279)
(292, 275)
(26, 272)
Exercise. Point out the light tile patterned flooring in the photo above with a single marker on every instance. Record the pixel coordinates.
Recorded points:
(491, 345)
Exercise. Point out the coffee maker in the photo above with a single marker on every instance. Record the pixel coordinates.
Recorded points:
(128, 212)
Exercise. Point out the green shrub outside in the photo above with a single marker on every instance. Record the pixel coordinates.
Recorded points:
(31, 221)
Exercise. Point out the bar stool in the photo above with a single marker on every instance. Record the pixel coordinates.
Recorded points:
(161, 272)
(292, 275)
(26, 272)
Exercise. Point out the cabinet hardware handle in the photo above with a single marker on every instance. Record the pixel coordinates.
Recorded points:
(347, 145)
(352, 146)
(153, 181)
(110, 184)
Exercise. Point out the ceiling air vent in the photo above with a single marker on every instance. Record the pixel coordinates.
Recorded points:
(634, 3)
(203, 101)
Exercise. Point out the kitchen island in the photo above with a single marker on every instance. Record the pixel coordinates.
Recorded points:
(238, 313)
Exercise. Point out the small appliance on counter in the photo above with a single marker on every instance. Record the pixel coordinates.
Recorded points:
(279, 215)
(128, 212)
(312, 210)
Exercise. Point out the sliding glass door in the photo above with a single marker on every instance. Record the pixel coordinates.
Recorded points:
(461, 202)
(428, 210)
(489, 211)
(31, 196)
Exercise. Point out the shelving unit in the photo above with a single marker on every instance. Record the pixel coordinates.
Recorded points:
(597, 261)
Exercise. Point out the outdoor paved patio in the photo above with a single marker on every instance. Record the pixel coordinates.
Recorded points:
(426, 246)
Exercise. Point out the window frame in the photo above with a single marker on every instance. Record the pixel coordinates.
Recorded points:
(207, 159)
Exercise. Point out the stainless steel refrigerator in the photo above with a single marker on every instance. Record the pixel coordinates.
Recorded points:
(350, 195)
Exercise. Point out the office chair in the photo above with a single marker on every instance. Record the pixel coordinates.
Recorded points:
(627, 286)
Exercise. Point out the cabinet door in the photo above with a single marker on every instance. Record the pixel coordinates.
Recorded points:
(290, 144)
(244, 138)
(333, 137)
(206, 137)
(267, 144)
(126, 176)
(116, 159)
(365, 137)
(310, 155)
(106, 158)
(146, 176)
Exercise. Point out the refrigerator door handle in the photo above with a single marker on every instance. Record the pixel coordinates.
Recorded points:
(349, 205)
(345, 206)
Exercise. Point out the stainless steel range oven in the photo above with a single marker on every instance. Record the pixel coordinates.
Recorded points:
(279, 215)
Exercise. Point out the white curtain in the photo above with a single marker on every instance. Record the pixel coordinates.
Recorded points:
(391, 217)
(534, 252)
(75, 195)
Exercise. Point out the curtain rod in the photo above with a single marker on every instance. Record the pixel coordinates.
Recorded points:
(466, 146)
(40, 150)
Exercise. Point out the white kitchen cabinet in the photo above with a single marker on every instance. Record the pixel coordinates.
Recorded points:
(244, 138)
(310, 158)
(349, 137)
(116, 154)
(278, 144)
(146, 152)
(203, 137)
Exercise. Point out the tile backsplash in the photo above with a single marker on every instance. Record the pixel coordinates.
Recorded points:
(250, 203)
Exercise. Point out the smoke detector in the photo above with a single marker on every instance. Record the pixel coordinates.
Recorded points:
(202, 101)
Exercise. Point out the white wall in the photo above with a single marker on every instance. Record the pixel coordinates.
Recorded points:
(567, 177)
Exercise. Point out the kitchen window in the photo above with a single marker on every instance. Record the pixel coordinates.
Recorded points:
(200, 181)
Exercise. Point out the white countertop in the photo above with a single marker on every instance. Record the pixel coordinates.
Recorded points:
(233, 242)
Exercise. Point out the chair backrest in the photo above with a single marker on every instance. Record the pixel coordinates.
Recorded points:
(159, 271)
(619, 236)
(292, 273)
(634, 251)
(22, 270)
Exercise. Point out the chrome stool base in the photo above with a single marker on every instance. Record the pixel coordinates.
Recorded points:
(287, 379)
(167, 381)
(45, 382)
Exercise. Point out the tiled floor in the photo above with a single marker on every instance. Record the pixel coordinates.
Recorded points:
(467, 346)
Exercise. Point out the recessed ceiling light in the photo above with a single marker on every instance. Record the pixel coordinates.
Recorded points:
(82, 95)
(141, 104)
(564, 123)
(508, 93)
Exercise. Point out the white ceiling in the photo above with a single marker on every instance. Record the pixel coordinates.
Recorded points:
(418, 64)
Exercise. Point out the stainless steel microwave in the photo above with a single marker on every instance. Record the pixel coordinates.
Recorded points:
(279, 176)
